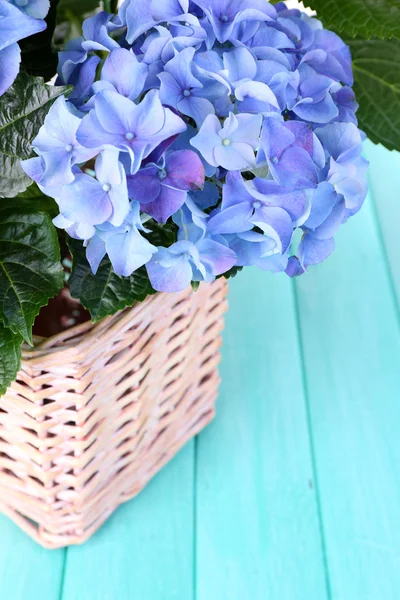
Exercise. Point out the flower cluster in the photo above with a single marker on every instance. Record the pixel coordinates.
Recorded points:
(232, 120)
(18, 20)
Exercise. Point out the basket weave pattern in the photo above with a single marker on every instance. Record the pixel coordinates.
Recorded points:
(97, 410)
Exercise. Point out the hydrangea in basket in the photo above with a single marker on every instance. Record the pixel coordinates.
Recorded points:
(182, 141)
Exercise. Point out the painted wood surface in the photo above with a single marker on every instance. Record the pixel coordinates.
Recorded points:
(293, 492)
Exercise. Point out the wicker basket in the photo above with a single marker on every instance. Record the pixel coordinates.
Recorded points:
(97, 410)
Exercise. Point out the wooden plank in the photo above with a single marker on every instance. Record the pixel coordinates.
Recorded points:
(145, 550)
(385, 186)
(27, 571)
(258, 533)
(351, 343)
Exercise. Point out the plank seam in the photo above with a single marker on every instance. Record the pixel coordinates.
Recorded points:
(311, 441)
(195, 469)
(384, 252)
(63, 573)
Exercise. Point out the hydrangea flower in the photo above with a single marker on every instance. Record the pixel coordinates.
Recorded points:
(33, 8)
(225, 14)
(78, 64)
(259, 203)
(162, 189)
(95, 200)
(182, 90)
(292, 151)
(56, 143)
(228, 125)
(172, 269)
(127, 249)
(141, 15)
(232, 145)
(133, 128)
(14, 26)
(122, 72)
(342, 143)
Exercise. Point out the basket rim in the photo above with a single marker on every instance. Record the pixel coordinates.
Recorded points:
(72, 338)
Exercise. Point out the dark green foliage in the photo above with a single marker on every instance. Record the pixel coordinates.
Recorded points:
(30, 267)
(10, 357)
(367, 18)
(377, 87)
(232, 272)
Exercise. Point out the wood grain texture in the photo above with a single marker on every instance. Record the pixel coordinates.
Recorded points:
(257, 517)
(350, 338)
(385, 195)
(145, 550)
(27, 571)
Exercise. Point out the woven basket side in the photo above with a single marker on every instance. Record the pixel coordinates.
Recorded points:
(80, 437)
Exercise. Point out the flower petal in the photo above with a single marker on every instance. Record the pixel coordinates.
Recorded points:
(128, 251)
(234, 219)
(85, 201)
(10, 58)
(185, 171)
(166, 204)
(174, 278)
(215, 257)
(145, 185)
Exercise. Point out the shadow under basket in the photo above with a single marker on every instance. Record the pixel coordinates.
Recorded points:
(98, 409)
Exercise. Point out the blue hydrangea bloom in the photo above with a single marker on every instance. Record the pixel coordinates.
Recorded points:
(172, 269)
(15, 25)
(133, 128)
(127, 249)
(122, 72)
(231, 121)
(342, 143)
(292, 151)
(259, 203)
(225, 14)
(95, 200)
(140, 16)
(182, 90)
(57, 144)
(326, 216)
(78, 64)
(232, 144)
(162, 189)
(33, 8)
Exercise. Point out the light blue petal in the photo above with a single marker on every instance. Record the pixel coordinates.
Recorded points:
(10, 58)
(128, 251)
(217, 259)
(174, 278)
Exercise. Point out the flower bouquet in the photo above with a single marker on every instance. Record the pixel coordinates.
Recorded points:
(182, 141)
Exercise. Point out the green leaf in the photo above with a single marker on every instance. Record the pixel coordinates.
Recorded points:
(377, 87)
(22, 111)
(161, 235)
(104, 293)
(37, 54)
(10, 357)
(39, 200)
(231, 273)
(359, 17)
(30, 268)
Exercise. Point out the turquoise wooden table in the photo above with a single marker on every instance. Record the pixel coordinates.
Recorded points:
(293, 493)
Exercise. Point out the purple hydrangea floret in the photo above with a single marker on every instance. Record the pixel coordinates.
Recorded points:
(230, 125)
